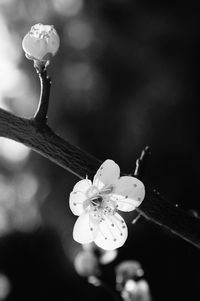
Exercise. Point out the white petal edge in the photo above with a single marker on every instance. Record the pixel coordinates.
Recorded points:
(84, 231)
(78, 196)
(107, 174)
(112, 232)
(76, 201)
(128, 192)
(82, 185)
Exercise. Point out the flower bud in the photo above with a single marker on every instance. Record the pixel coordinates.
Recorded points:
(41, 43)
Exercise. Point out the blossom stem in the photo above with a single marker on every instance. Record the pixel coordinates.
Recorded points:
(40, 116)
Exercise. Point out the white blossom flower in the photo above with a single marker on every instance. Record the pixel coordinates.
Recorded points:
(97, 205)
(41, 43)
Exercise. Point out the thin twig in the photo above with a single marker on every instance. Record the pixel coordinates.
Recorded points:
(141, 163)
(40, 116)
(140, 170)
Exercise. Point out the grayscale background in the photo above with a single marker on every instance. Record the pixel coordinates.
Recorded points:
(126, 76)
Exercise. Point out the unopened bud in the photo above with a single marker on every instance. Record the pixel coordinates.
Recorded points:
(41, 43)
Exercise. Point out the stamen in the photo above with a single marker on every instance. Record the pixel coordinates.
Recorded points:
(97, 201)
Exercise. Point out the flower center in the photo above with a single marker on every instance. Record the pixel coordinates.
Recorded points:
(100, 206)
(97, 201)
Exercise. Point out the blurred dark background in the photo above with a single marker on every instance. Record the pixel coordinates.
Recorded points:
(126, 76)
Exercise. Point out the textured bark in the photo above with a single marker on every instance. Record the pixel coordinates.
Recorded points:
(176, 220)
(43, 140)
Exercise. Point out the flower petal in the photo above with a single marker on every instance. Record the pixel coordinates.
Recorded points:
(112, 232)
(78, 196)
(76, 201)
(84, 230)
(128, 192)
(82, 185)
(107, 174)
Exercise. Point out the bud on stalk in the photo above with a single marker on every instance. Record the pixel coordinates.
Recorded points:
(40, 44)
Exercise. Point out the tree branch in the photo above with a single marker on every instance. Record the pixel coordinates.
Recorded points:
(37, 135)
(44, 141)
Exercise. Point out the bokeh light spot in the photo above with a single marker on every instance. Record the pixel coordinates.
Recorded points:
(4, 287)
(3, 222)
(68, 7)
(12, 151)
(79, 76)
(79, 34)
